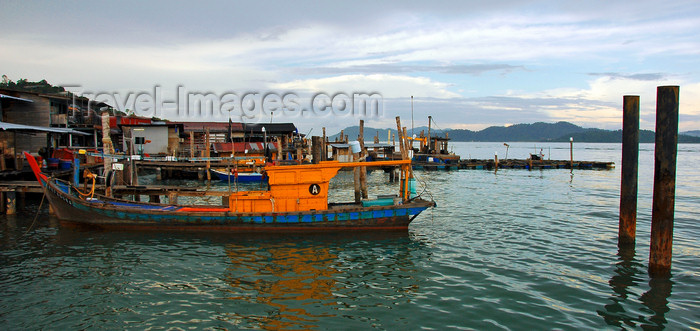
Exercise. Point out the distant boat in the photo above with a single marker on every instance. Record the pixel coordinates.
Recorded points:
(297, 200)
(239, 176)
(432, 153)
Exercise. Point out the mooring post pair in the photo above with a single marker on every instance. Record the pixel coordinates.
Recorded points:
(665, 151)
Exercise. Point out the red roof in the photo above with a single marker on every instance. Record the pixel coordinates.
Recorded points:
(114, 121)
(213, 126)
(240, 147)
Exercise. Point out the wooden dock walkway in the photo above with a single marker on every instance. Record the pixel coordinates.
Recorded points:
(480, 164)
(9, 190)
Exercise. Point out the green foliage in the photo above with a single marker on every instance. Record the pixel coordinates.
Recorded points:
(25, 85)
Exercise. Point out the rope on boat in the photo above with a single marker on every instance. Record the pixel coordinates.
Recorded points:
(87, 174)
(43, 197)
(425, 189)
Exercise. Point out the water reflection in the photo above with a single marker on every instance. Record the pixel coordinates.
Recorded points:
(656, 299)
(294, 283)
(629, 274)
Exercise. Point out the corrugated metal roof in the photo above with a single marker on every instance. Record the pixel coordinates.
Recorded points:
(241, 147)
(31, 128)
(270, 128)
(367, 145)
(2, 96)
(213, 126)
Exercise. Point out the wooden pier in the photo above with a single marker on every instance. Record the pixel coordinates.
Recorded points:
(11, 191)
(492, 164)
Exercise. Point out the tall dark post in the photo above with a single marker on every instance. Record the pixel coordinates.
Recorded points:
(324, 147)
(630, 160)
(430, 121)
(363, 170)
(571, 153)
(664, 180)
(316, 149)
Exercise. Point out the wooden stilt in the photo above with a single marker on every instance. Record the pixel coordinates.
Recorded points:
(363, 170)
(356, 178)
(172, 198)
(571, 152)
(662, 213)
(630, 158)
(495, 162)
(316, 150)
(2, 203)
(324, 147)
(191, 144)
(208, 152)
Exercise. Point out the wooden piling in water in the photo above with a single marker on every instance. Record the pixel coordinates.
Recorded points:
(356, 178)
(172, 198)
(665, 150)
(191, 144)
(324, 147)
(280, 150)
(407, 148)
(404, 153)
(316, 149)
(363, 170)
(629, 172)
(2, 203)
(495, 162)
(208, 152)
(571, 153)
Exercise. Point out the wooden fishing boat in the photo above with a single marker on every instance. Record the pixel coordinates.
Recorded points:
(297, 200)
(238, 176)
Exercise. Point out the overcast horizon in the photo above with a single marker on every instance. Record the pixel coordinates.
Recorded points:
(469, 64)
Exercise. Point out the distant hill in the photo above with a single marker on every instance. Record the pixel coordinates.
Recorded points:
(354, 131)
(535, 132)
(694, 133)
(520, 132)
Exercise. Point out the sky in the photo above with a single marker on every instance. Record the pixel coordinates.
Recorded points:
(468, 64)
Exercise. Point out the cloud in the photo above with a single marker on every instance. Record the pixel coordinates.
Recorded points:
(389, 86)
(645, 77)
(600, 104)
(434, 52)
(472, 69)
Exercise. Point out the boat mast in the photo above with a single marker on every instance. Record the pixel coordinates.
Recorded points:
(430, 120)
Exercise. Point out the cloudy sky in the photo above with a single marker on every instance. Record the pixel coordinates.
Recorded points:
(469, 64)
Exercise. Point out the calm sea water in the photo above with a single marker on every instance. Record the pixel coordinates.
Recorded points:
(508, 250)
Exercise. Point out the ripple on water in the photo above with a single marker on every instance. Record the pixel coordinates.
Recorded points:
(507, 250)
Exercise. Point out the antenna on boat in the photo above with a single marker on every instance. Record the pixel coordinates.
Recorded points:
(411, 115)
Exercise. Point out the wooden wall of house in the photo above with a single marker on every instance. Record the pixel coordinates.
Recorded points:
(173, 141)
(7, 141)
(35, 113)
